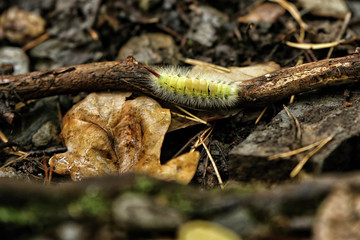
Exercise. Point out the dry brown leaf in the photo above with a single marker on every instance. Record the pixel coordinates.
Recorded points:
(266, 12)
(105, 134)
(19, 26)
(237, 74)
(326, 8)
(181, 169)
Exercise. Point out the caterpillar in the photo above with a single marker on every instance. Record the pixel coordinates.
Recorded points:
(194, 89)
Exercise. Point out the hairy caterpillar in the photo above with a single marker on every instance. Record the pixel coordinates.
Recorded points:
(193, 88)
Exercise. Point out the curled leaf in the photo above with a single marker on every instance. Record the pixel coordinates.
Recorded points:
(107, 134)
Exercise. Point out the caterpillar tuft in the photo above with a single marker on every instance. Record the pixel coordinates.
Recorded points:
(195, 89)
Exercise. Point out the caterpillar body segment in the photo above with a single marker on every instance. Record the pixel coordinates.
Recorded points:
(196, 90)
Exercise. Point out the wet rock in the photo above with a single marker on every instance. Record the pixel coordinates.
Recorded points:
(325, 8)
(19, 26)
(47, 134)
(43, 111)
(72, 20)
(205, 22)
(339, 215)
(55, 53)
(37, 6)
(240, 221)
(151, 48)
(70, 231)
(138, 212)
(321, 115)
(16, 57)
(9, 172)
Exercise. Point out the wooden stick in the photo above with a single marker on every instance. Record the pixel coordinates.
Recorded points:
(131, 75)
(261, 91)
(101, 76)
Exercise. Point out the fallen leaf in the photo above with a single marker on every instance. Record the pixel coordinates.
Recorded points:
(107, 134)
(266, 12)
(238, 74)
(20, 26)
(325, 8)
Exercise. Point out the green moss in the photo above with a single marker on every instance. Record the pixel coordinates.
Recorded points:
(144, 184)
(184, 206)
(92, 204)
(18, 216)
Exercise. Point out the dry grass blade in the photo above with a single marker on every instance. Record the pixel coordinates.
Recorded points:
(297, 123)
(213, 164)
(192, 116)
(292, 98)
(3, 137)
(303, 161)
(294, 152)
(22, 155)
(314, 46)
(94, 35)
(201, 141)
(261, 115)
(202, 137)
(186, 145)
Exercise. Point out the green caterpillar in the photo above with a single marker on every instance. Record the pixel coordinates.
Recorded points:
(198, 90)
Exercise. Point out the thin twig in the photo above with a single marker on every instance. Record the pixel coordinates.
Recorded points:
(45, 169)
(50, 173)
(186, 145)
(35, 42)
(207, 131)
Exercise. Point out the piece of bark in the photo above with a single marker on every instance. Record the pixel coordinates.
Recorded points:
(320, 115)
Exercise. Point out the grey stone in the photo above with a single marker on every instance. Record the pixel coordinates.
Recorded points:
(151, 48)
(320, 116)
(135, 211)
(16, 57)
(47, 133)
(205, 22)
(9, 172)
